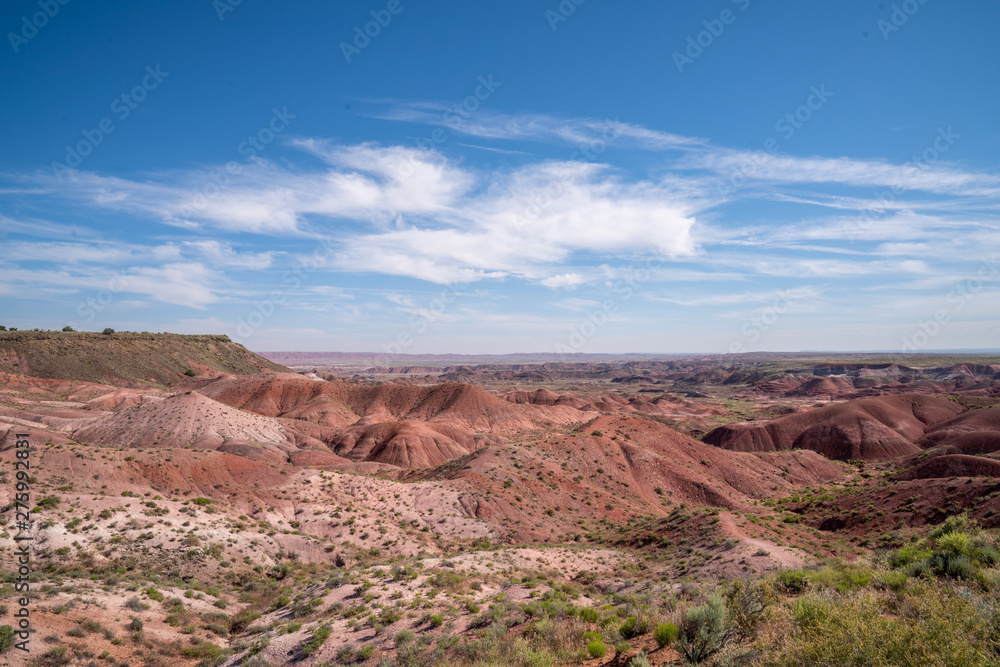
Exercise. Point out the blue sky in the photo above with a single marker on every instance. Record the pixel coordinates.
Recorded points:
(493, 177)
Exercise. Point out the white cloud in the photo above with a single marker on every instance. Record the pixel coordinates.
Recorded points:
(567, 280)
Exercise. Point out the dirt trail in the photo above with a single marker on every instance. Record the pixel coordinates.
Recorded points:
(785, 556)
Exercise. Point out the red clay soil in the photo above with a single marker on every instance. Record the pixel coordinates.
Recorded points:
(976, 429)
(617, 467)
(343, 404)
(407, 444)
(889, 504)
(823, 386)
(872, 429)
(953, 465)
(187, 419)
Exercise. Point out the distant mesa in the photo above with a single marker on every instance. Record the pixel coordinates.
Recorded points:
(126, 359)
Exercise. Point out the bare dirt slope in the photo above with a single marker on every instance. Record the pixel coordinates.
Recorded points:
(872, 429)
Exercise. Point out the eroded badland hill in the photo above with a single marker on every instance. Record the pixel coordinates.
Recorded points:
(195, 503)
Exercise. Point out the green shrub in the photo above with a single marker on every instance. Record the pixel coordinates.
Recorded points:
(853, 579)
(939, 629)
(7, 637)
(793, 581)
(206, 651)
(907, 555)
(703, 632)
(437, 620)
(955, 543)
(959, 522)
(320, 635)
(810, 611)
(986, 555)
(956, 567)
(597, 649)
(641, 660)
(892, 580)
(665, 633)
(629, 628)
(56, 656)
(588, 615)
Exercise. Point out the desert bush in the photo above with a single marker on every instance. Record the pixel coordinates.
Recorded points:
(629, 628)
(809, 611)
(955, 543)
(793, 581)
(704, 632)
(135, 604)
(597, 649)
(665, 634)
(319, 636)
(891, 580)
(641, 660)
(939, 629)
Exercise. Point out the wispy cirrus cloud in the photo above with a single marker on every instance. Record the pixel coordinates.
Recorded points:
(563, 224)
